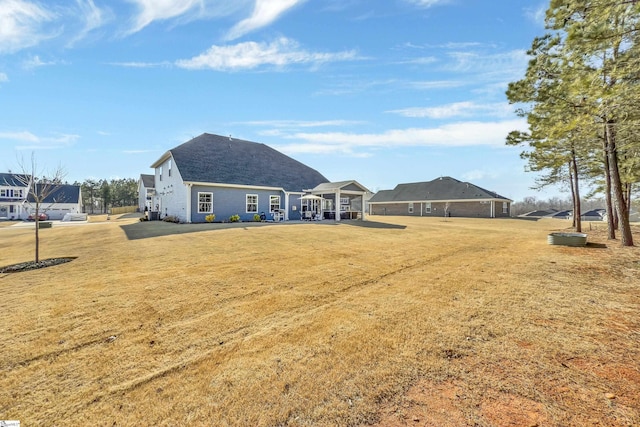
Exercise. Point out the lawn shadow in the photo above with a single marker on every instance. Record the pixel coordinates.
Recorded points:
(596, 245)
(150, 229)
(372, 224)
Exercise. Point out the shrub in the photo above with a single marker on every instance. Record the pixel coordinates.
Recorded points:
(234, 218)
(256, 217)
(144, 218)
(210, 218)
(171, 218)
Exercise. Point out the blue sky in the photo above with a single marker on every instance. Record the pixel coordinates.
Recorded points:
(380, 91)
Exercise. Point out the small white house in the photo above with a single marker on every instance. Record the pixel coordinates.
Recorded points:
(17, 202)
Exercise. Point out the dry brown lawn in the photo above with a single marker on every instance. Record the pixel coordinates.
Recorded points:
(407, 322)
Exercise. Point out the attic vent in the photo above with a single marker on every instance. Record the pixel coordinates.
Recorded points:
(230, 138)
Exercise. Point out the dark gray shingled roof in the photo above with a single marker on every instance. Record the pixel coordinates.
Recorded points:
(13, 179)
(444, 188)
(59, 193)
(221, 159)
(148, 181)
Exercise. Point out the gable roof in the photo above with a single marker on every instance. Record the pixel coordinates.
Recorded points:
(331, 187)
(59, 193)
(440, 189)
(13, 180)
(148, 181)
(220, 159)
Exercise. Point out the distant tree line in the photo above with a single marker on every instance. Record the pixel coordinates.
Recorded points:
(580, 96)
(98, 195)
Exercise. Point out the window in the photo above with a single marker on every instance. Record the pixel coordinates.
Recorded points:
(205, 202)
(274, 203)
(169, 167)
(505, 207)
(427, 207)
(160, 168)
(252, 203)
(3, 193)
(344, 200)
(411, 207)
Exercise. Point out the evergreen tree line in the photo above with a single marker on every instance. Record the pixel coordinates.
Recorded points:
(580, 96)
(100, 195)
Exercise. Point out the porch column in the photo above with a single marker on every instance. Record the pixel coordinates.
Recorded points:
(188, 204)
(364, 209)
(338, 205)
(286, 206)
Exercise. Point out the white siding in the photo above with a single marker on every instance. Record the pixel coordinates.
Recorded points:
(171, 192)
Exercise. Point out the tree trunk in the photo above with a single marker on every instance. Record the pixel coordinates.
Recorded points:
(37, 224)
(577, 211)
(573, 196)
(611, 218)
(618, 195)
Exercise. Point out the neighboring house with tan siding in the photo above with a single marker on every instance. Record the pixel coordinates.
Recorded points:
(444, 196)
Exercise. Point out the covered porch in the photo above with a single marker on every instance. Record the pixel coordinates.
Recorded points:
(335, 201)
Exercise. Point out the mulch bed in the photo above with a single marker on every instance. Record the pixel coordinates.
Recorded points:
(32, 265)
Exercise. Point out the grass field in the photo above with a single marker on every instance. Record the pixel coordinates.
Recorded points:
(401, 321)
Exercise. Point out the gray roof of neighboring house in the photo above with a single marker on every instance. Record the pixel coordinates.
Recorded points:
(224, 160)
(148, 181)
(14, 179)
(59, 193)
(440, 189)
(540, 213)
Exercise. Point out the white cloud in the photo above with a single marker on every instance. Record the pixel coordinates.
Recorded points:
(36, 62)
(461, 134)
(477, 174)
(457, 109)
(92, 16)
(158, 10)
(427, 3)
(21, 24)
(142, 64)
(36, 142)
(19, 136)
(250, 55)
(264, 13)
(3, 78)
(481, 62)
(289, 124)
(537, 14)
(437, 84)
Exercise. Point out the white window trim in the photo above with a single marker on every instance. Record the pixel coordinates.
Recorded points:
(410, 207)
(247, 203)
(202, 193)
(505, 207)
(272, 203)
(427, 207)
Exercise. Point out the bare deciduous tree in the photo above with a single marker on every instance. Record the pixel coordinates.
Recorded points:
(39, 190)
